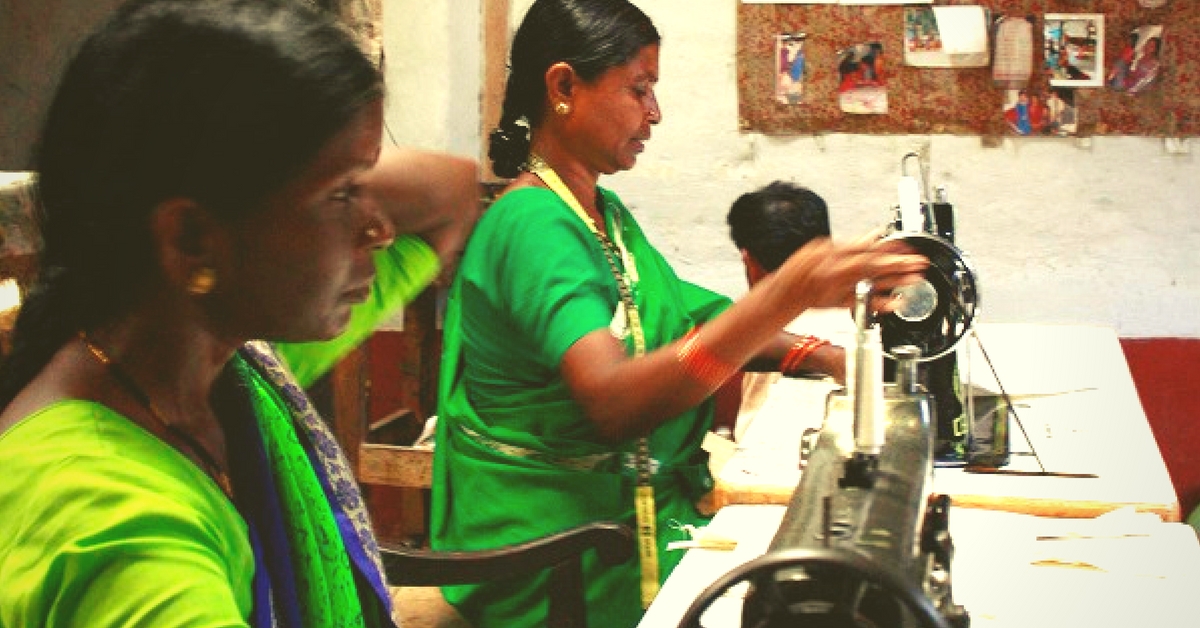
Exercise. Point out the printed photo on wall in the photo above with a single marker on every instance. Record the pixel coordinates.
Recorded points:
(1074, 49)
(1136, 67)
(789, 68)
(946, 37)
(1028, 112)
(1024, 112)
(1061, 118)
(863, 83)
(922, 40)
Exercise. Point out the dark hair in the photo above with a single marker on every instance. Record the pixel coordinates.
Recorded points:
(773, 222)
(220, 101)
(590, 35)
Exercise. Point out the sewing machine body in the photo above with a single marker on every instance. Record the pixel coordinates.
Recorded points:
(903, 475)
(878, 513)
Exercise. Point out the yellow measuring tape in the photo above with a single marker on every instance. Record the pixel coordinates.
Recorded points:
(644, 506)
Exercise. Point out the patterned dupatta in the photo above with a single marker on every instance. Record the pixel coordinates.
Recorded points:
(315, 566)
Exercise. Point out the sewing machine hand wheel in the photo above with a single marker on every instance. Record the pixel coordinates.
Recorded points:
(936, 314)
(844, 605)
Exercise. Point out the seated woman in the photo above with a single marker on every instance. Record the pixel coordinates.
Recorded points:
(209, 178)
(578, 367)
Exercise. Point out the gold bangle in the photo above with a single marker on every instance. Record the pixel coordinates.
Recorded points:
(701, 364)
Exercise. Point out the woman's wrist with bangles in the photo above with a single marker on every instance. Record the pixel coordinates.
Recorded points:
(793, 362)
(701, 364)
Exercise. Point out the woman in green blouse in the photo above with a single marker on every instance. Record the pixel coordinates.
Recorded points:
(211, 179)
(576, 373)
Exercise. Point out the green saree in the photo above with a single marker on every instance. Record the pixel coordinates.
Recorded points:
(516, 458)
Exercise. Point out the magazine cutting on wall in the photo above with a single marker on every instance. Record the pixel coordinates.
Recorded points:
(1100, 67)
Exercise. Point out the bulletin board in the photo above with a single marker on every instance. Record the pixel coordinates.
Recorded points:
(963, 101)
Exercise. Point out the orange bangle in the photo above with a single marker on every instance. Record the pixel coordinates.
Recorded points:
(701, 364)
(804, 347)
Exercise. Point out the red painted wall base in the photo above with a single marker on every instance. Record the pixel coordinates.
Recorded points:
(1166, 373)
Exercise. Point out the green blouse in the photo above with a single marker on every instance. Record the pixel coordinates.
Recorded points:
(105, 525)
(516, 457)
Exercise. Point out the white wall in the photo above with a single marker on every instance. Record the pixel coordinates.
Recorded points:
(1105, 231)
(432, 65)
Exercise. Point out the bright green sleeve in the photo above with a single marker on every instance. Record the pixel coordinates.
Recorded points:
(535, 282)
(703, 304)
(104, 526)
(402, 271)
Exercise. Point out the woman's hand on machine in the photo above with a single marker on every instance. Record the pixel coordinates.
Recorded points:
(824, 273)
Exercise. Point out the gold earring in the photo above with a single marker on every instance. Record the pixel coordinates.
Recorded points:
(202, 281)
(562, 108)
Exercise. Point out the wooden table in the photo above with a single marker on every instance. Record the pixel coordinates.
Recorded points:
(1074, 397)
(1009, 570)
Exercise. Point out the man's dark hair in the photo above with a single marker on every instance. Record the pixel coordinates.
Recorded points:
(773, 222)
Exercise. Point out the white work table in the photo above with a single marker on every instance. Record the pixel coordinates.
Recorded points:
(1030, 551)
(1009, 570)
(1073, 394)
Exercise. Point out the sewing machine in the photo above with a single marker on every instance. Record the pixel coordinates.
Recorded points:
(864, 542)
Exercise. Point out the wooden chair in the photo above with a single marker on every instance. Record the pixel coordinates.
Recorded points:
(562, 553)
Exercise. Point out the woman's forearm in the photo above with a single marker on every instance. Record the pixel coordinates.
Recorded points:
(628, 397)
(432, 195)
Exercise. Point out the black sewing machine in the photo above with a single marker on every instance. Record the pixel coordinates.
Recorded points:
(864, 543)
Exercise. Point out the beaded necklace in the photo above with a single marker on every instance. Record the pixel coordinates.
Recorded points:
(208, 462)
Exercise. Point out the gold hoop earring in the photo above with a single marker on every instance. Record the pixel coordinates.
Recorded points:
(562, 108)
(202, 281)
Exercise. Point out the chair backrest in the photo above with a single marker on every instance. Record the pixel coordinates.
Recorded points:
(562, 553)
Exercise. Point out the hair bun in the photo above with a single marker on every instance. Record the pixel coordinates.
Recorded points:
(508, 148)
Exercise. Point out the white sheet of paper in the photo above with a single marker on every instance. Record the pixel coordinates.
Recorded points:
(963, 29)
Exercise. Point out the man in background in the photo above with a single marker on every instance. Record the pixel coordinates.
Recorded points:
(767, 226)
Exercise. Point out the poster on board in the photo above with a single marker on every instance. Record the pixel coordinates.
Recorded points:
(1137, 65)
(862, 87)
(946, 37)
(790, 68)
(1074, 49)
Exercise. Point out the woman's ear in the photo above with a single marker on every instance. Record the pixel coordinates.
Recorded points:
(187, 238)
(754, 271)
(560, 81)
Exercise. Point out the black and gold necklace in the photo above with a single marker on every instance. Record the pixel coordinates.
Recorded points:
(208, 461)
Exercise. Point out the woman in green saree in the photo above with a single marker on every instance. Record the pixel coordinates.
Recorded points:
(212, 179)
(577, 365)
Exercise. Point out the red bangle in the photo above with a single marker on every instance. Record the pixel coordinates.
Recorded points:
(804, 347)
(701, 364)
